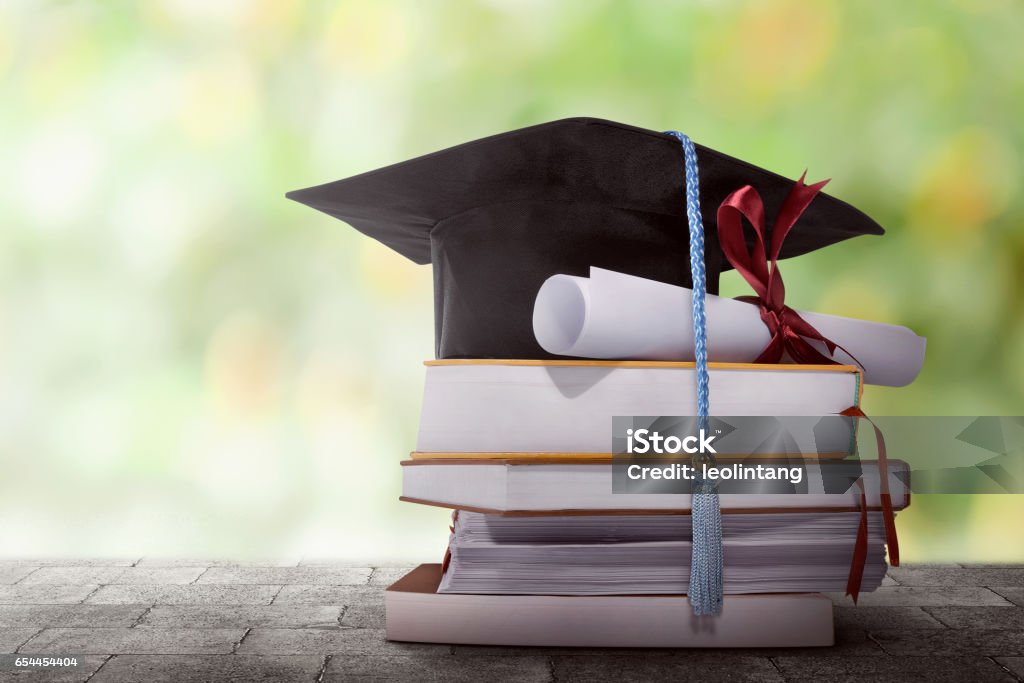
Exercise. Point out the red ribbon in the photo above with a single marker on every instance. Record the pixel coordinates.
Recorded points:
(860, 547)
(790, 333)
(448, 550)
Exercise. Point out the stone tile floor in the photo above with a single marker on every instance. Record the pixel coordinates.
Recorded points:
(181, 621)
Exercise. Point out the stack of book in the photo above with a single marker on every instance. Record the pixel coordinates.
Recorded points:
(542, 552)
(545, 549)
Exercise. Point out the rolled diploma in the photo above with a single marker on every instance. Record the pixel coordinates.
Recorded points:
(618, 316)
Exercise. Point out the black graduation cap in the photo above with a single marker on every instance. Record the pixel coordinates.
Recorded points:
(497, 216)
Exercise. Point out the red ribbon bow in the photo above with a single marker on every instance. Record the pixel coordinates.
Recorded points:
(790, 333)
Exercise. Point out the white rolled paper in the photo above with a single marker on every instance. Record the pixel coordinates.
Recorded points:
(616, 316)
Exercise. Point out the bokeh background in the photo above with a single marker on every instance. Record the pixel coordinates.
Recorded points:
(192, 365)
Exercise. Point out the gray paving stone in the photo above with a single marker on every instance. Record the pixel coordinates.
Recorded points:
(385, 576)
(70, 616)
(11, 638)
(74, 576)
(159, 575)
(1014, 664)
(940, 623)
(206, 668)
(243, 616)
(951, 642)
(363, 616)
(86, 667)
(18, 594)
(855, 669)
(193, 562)
(1007, 619)
(850, 641)
(142, 641)
(526, 651)
(1014, 594)
(923, 596)
(71, 561)
(184, 595)
(13, 573)
(872, 618)
(951, 576)
(114, 575)
(692, 666)
(444, 669)
(338, 562)
(324, 576)
(330, 595)
(348, 641)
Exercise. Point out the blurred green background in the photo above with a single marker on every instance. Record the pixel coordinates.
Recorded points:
(192, 365)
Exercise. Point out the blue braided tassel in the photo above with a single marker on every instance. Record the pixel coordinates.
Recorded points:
(706, 559)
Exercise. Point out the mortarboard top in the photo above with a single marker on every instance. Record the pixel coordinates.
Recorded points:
(497, 216)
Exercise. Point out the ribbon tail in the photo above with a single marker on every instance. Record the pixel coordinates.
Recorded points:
(447, 559)
(888, 514)
(860, 548)
(805, 331)
(448, 549)
(799, 198)
(852, 357)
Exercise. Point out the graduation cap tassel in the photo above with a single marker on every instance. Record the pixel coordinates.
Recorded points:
(706, 558)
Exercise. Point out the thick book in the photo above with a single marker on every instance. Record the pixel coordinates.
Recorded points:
(416, 612)
(532, 486)
(510, 406)
(633, 555)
